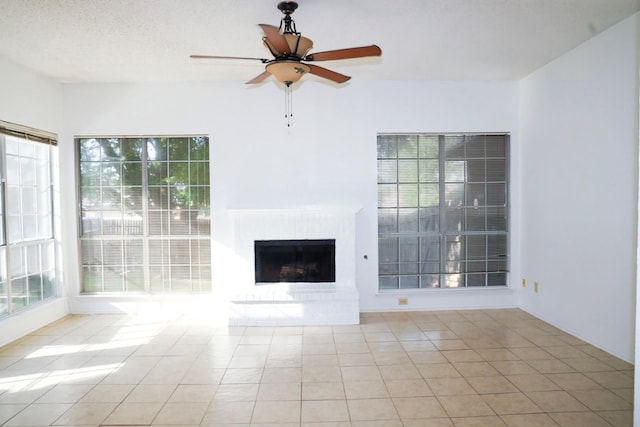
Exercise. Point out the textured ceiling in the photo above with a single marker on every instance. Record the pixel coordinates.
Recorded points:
(151, 40)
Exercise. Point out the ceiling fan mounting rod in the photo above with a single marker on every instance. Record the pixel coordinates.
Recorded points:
(287, 24)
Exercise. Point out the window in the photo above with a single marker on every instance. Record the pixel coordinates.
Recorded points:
(145, 219)
(442, 211)
(27, 254)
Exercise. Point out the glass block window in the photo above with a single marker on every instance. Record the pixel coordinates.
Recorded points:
(27, 255)
(145, 214)
(442, 210)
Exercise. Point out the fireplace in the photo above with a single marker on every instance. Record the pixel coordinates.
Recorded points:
(325, 236)
(295, 261)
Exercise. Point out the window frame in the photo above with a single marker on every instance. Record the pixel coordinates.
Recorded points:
(45, 246)
(146, 237)
(417, 271)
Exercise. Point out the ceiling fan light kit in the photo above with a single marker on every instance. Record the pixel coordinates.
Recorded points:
(287, 72)
(290, 52)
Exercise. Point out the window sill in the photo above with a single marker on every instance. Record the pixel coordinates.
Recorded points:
(444, 290)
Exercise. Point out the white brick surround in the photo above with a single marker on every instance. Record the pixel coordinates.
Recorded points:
(289, 304)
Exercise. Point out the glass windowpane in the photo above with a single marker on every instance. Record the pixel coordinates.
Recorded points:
(407, 146)
(388, 196)
(428, 146)
(388, 282)
(407, 170)
(388, 249)
(470, 200)
(408, 249)
(408, 195)
(429, 170)
(408, 220)
(199, 148)
(429, 220)
(454, 171)
(116, 203)
(387, 147)
(409, 282)
(387, 221)
(454, 147)
(387, 171)
(495, 146)
(430, 249)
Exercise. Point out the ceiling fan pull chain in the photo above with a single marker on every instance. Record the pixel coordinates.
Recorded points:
(288, 104)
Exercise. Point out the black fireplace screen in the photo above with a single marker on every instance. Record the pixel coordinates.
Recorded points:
(295, 261)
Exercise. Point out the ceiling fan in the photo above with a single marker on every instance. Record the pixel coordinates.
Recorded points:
(291, 55)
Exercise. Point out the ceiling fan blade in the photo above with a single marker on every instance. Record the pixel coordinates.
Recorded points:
(259, 78)
(275, 40)
(353, 52)
(327, 74)
(263, 60)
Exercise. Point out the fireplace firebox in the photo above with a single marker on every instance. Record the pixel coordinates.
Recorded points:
(295, 261)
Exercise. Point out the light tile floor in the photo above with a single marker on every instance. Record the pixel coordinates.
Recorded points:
(455, 368)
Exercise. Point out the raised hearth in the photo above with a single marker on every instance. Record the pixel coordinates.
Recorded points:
(291, 302)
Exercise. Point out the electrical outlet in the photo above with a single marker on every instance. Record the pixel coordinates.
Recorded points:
(536, 287)
(403, 301)
(524, 283)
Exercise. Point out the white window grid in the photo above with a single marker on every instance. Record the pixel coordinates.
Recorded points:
(442, 210)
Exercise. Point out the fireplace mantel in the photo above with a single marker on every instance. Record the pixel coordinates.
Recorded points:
(295, 304)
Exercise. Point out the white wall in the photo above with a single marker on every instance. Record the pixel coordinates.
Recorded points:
(578, 134)
(326, 158)
(30, 100)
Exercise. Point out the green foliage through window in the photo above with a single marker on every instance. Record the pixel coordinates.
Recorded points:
(145, 214)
